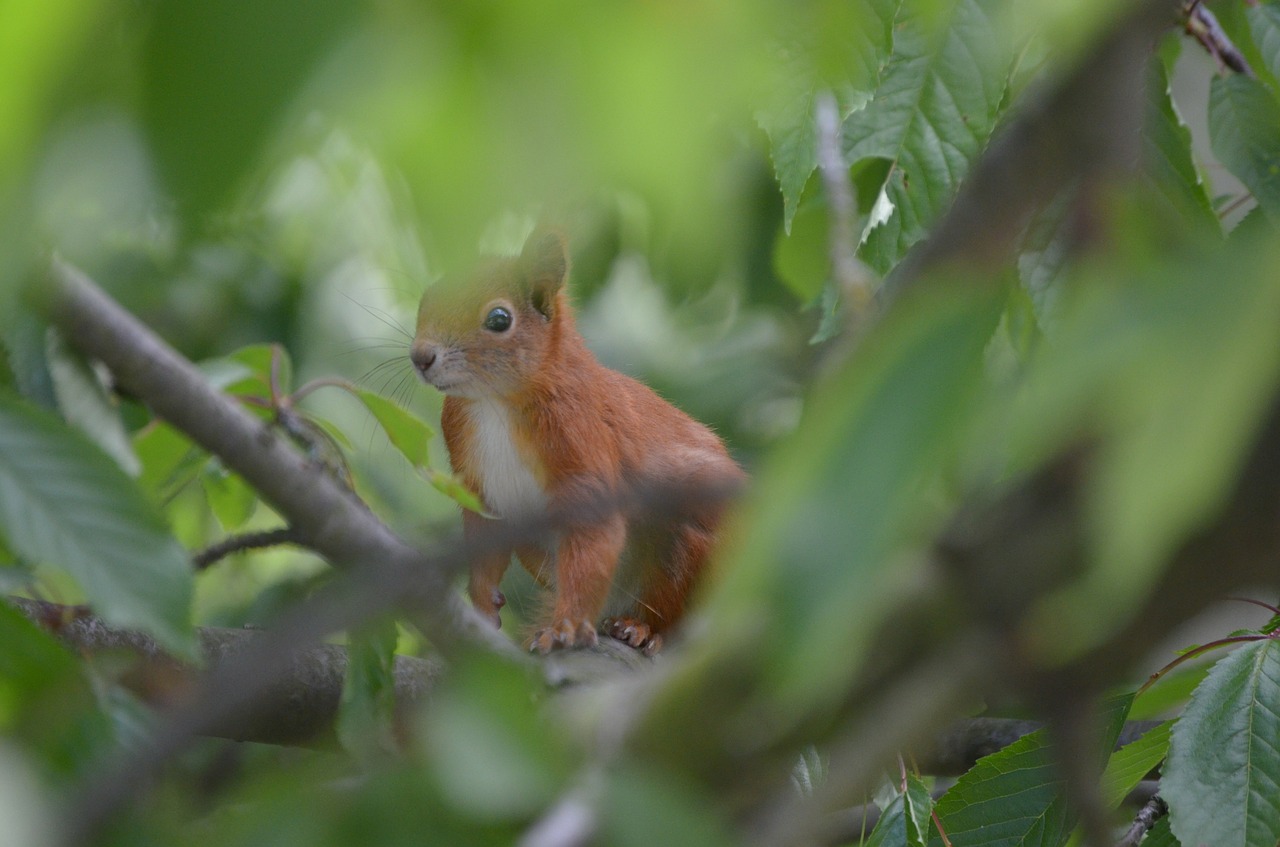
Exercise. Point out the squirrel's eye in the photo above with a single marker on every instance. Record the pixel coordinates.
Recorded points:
(498, 320)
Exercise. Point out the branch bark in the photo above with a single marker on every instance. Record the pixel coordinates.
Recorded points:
(327, 518)
(299, 706)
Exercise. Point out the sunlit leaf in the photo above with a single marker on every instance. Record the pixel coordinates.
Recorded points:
(1222, 779)
(62, 501)
(1129, 765)
(169, 460)
(452, 487)
(405, 430)
(37, 45)
(230, 497)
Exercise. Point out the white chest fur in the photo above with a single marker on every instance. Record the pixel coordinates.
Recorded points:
(510, 487)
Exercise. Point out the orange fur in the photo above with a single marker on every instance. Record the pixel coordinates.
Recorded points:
(532, 421)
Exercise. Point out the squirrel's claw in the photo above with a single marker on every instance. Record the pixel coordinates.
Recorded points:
(633, 633)
(565, 633)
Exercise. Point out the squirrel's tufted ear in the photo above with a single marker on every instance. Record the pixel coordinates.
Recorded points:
(544, 263)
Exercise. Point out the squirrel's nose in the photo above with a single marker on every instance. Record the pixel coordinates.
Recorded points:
(423, 357)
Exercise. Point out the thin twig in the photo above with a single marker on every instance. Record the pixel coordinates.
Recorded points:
(1203, 26)
(1146, 818)
(245, 541)
(851, 276)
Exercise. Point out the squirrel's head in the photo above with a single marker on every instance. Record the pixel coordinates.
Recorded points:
(488, 334)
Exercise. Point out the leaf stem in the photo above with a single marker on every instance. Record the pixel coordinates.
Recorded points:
(1200, 651)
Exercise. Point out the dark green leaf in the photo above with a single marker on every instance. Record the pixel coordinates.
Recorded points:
(219, 76)
(62, 501)
(1014, 798)
(45, 701)
(945, 80)
(891, 828)
(1264, 23)
(1222, 779)
(1244, 129)
(853, 42)
(1161, 835)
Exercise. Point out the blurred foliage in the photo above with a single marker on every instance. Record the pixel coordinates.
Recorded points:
(271, 186)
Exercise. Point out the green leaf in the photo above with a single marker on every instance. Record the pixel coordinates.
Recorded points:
(1161, 835)
(496, 756)
(45, 700)
(905, 821)
(229, 496)
(169, 460)
(1014, 798)
(851, 45)
(86, 405)
(919, 805)
(1222, 779)
(1173, 378)
(1244, 131)
(366, 717)
(62, 501)
(819, 538)
(1168, 159)
(218, 76)
(260, 359)
(37, 44)
(405, 430)
(800, 257)
(1129, 765)
(1264, 23)
(891, 829)
(452, 487)
(689, 816)
(931, 116)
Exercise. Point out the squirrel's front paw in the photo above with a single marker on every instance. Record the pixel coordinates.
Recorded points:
(633, 632)
(563, 633)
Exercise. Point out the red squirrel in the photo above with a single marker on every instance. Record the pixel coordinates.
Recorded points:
(534, 423)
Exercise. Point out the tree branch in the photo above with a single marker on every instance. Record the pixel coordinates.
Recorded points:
(327, 518)
(299, 706)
